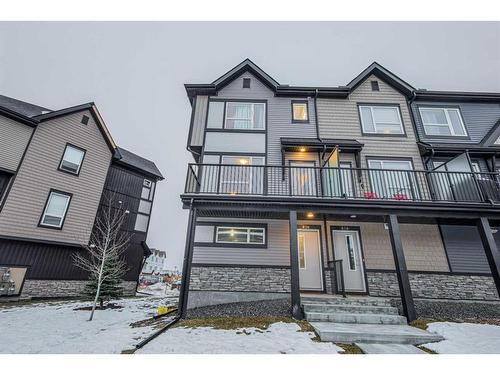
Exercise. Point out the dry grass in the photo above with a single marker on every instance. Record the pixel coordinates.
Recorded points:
(350, 349)
(260, 322)
(421, 323)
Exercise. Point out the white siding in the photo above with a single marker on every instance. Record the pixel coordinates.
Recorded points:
(235, 142)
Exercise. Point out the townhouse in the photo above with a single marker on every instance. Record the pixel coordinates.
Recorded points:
(57, 168)
(372, 188)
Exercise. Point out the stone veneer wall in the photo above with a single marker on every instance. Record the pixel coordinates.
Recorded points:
(435, 286)
(329, 277)
(64, 288)
(240, 279)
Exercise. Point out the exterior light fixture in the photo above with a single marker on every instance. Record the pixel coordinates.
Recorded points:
(310, 215)
(302, 149)
(243, 161)
(353, 216)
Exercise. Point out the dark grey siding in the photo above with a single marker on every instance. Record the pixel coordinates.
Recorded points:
(478, 118)
(45, 262)
(464, 248)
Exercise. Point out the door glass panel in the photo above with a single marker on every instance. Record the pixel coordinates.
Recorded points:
(303, 178)
(302, 253)
(350, 252)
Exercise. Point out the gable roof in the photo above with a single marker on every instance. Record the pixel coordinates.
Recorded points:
(246, 65)
(384, 74)
(33, 115)
(22, 108)
(134, 161)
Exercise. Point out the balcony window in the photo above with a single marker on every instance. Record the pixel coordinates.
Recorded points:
(381, 120)
(245, 116)
(239, 235)
(72, 159)
(300, 112)
(240, 177)
(55, 210)
(443, 122)
(395, 183)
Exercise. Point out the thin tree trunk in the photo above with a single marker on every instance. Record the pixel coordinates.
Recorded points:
(99, 282)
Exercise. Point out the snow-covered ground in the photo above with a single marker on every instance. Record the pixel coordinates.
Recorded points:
(55, 327)
(279, 338)
(465, 338)
(159, 289)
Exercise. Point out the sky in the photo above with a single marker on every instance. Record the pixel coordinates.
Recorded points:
(135, 72)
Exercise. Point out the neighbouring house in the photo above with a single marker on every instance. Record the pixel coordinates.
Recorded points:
(56, 169)
(156, 263)
(371, 188)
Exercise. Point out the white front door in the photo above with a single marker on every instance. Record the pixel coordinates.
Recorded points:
(310, 274)
(346, 246)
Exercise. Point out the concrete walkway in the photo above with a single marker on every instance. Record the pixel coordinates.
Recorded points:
(389, 349)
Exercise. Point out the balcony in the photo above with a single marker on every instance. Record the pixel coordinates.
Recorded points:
(342, 183)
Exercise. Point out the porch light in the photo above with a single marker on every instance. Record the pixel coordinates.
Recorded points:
(310, 215)
(353, 216)
(302, 149)
(243, 161)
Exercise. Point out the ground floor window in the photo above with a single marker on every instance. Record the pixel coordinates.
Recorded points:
(240, 235)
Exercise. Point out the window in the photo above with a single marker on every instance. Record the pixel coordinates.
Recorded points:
(253, 236)
(300, 111)
(374, 85)
(245, 116)
(240, 177)
(55, 209)
(350, 252)
(442, 122)
(145, 205)
(4, 183)
(72, 159)
(380, 119)
(246, 83)
(85, 120)
(475, 167)
(395, 183)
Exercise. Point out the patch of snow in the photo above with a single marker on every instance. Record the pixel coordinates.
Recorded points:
(159, 289)
(284, 338)
(465, 338)
(55, 327)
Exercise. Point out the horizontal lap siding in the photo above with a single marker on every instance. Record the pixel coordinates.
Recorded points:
(339, 118)
(39, 173)
(478, 119)
(14, 138)
(276, 253)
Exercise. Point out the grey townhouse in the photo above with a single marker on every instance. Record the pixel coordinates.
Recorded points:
(57, 168)
(373, 188)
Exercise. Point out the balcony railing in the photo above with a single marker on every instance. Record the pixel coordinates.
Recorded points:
(344, 183)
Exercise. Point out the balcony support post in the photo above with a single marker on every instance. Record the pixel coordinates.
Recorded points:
(294, 266)
(401, 270)
(186, 266)
(490, 248)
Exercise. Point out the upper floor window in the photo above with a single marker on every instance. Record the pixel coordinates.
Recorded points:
(300, 111)
(378, 119)
(246, 83)
(442, 121)
(145, 205)
(72, 159)
(55, 209)
(241, 115)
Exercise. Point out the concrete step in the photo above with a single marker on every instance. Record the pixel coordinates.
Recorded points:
(365, 301)
(373, 333)
(389, 349)
(360, 309)
(345, 317)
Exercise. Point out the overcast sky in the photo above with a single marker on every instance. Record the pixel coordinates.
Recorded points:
(135, 73)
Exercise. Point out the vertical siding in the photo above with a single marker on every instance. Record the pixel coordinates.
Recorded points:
(199, 116)
(478, 119)
(465, 249)
(339, 118)
(39, 173)
(14, 138)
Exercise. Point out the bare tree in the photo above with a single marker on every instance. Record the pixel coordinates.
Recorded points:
(103, 259)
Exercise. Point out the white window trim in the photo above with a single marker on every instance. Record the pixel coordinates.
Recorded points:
(251, 119)
(79, 164)
(375, 124)
(47, 206)
(382, 161)
(449, 125)
(306, 105)
(247, 229)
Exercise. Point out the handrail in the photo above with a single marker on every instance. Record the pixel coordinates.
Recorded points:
(345, 183)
